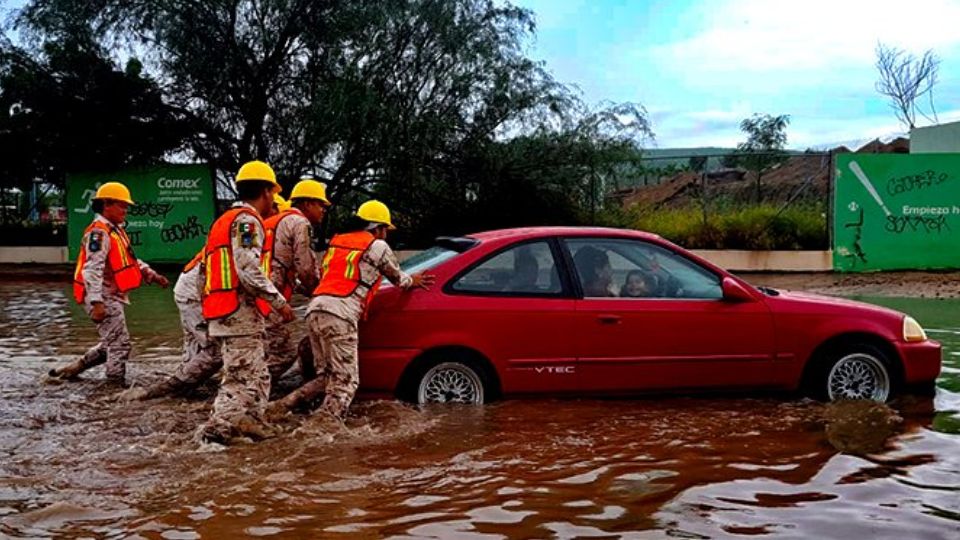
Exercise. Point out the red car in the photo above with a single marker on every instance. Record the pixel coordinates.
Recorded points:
(596, 311)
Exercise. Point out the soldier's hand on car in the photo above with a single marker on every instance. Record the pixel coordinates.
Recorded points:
(98, 313)
(286, 312)
(162, 281)
(424, 280)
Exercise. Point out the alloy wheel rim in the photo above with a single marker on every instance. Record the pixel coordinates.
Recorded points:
(858, 376)
(451, 383)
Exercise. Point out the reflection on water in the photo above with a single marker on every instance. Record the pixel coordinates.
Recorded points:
(74, 462)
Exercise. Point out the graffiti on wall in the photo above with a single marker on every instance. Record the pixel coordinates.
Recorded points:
(896, 211)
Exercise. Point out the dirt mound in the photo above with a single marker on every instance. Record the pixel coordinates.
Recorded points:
(801, 177)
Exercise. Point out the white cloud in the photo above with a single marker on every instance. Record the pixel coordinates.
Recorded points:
(680, 130)
(709, 127)
(758, 35)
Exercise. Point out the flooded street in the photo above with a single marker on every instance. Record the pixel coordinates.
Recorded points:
(76, 463)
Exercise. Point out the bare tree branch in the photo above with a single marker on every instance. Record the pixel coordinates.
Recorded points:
(904, 79)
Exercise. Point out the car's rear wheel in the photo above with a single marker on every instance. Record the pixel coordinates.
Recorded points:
(451, 382)
(856, 372)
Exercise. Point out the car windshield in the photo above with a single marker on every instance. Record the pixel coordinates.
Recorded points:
(427, 259)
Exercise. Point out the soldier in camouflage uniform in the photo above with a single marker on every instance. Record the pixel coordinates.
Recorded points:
(106, 270)
(234, 280)
(290, 260)
(353, 266)
(201, 354)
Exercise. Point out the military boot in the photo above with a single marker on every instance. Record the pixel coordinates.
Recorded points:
(78, 366)
(255, 429)
(282, 406)
(69, 371)
(167, 387)
(211, 435)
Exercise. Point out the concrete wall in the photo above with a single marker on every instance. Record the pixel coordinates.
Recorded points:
(33, 254)
(944, 138)
(769, 261)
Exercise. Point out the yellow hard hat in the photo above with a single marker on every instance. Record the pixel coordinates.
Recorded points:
(258, 170)
(375, 212)
(310, 189)
(115, 191)
(282, 204)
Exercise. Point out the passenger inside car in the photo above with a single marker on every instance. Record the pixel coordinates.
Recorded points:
(526, 271)
(595, 271)
(639, 284)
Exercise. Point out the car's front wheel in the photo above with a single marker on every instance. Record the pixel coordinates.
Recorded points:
(451, 382)
(856, 372)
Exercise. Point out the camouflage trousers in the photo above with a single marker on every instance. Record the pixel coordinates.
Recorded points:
(281, 345)
(334, 342)
(114, 345)
(201, 353)
(245, 386)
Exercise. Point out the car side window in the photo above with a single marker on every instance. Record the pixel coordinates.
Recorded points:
(529, 268)
(625, 268)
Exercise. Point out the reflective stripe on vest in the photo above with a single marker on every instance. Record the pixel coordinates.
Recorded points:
(221, 295)
(270, 226)
(121, 260)
(340, 269)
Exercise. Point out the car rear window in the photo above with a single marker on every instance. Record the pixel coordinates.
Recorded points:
(427, 259)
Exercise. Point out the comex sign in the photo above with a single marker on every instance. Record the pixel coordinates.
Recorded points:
(174, 206)
(178, 183)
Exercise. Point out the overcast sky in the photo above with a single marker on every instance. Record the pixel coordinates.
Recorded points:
(699, 67)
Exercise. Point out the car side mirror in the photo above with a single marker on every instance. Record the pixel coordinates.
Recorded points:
(733, 291)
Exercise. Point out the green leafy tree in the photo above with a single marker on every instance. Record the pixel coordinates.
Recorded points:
(348, 89)
(405, 99)
(764, 147)
(240, 71)
(67, 108)
(548, 177)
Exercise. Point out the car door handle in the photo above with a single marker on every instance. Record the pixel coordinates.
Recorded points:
(608, 319)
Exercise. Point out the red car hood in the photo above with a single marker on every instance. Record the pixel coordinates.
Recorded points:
(812, 299)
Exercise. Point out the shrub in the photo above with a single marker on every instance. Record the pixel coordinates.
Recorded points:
(758, 227)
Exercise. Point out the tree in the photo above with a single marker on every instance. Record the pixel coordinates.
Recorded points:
(69, 109)
(348, 89)
(239, 71)
(551, 176)
(904, 79)
(405, 99)
(766, 139)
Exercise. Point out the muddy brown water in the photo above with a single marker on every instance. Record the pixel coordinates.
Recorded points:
(76, 463)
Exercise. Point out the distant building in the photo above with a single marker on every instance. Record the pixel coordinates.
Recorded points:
(943, 138)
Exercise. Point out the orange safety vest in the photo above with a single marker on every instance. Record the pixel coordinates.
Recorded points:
(340, 268)
(221, 294)
(266, 260)
(193, 262)
(123, 263)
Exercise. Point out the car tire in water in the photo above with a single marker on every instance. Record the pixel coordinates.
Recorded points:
(855, 371)
(454, 379)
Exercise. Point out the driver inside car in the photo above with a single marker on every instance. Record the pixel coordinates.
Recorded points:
(594, 268)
